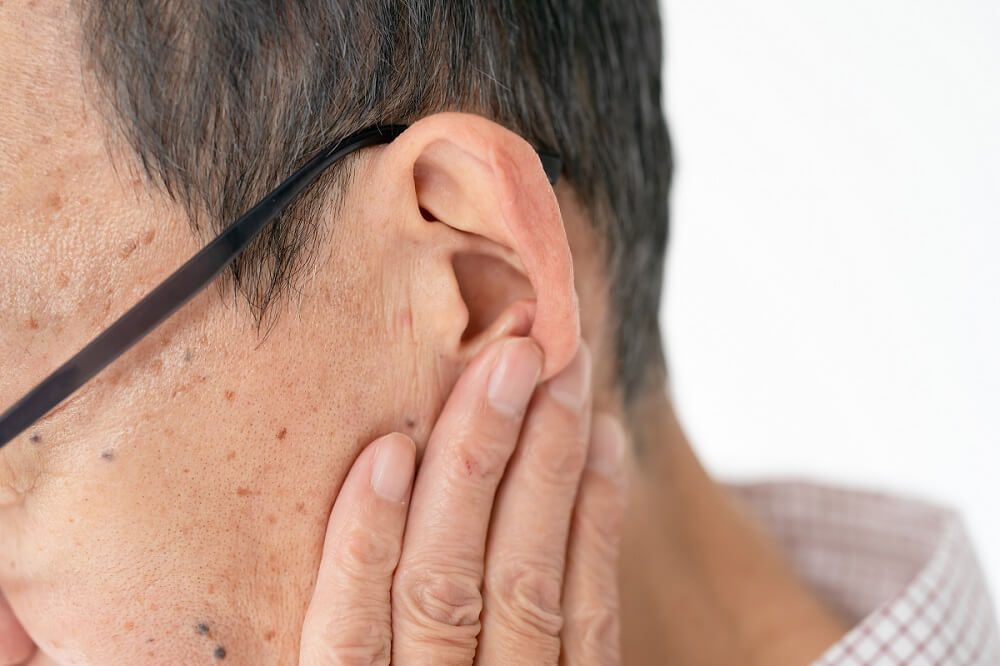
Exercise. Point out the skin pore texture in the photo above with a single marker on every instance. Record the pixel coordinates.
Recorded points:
(173, 510)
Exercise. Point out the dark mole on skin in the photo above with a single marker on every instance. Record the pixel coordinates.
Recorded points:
(282, 433)
(410, 422)
(201, 628)
(108, 455)
(220, 652)
(35, 438)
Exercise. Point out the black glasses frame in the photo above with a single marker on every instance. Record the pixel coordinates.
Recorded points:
(188, 280)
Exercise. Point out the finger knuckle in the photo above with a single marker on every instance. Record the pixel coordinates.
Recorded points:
(599, 636)
(439, 600)
(350, 642)
(558, 459)
(369, 554)
(527, 596)
(480, 460)
(599, 524)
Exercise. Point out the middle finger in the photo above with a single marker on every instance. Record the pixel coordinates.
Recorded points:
(436, 598)
(526, 554)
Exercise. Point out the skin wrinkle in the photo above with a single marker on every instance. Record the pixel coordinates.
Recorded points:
(12, 488)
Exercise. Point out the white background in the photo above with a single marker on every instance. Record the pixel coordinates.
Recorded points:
(833, 284)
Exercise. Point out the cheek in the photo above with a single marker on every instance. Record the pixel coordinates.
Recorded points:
(128, 558)
(211, 504)
(67, 273)
(225, 452)
(111, 558)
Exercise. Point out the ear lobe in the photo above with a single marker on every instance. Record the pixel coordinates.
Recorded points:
(512, 263)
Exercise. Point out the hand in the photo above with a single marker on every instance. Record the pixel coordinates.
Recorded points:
(511, 544)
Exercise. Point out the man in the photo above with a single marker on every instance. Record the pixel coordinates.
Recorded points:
(173, 509)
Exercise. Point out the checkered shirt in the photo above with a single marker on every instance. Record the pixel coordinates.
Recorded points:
(901, 570)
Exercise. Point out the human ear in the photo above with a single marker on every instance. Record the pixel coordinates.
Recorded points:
(490, 252)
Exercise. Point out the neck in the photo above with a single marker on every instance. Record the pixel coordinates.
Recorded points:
(701, 583)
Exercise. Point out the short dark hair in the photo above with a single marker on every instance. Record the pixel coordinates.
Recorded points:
(220, 101)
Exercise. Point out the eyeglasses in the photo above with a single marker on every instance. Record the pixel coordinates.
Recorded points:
(188, 280)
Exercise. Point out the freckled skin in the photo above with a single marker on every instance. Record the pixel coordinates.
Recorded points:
(205, 450)
(228, 448)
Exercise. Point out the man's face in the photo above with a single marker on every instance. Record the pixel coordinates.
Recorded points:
(177, 503)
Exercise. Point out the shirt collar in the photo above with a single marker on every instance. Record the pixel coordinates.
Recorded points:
(901, 570)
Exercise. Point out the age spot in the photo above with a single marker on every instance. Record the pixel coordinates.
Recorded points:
(230, 395)
(54, 202)
(282, 433)
(244, 492)
(33, 324)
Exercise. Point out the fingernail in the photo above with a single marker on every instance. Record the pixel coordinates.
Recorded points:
(514, 376)
(607, 446)
(571, 386)
(392, 470)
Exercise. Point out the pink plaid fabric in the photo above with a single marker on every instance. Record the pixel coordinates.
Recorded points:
(901, 570)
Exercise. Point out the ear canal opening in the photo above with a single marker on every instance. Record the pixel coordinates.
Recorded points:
(490, 288)
(427, 215)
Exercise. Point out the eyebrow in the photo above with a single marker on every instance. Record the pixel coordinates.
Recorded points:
(190, 279)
